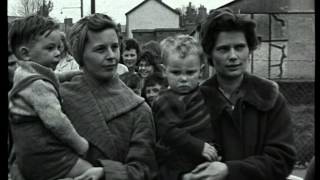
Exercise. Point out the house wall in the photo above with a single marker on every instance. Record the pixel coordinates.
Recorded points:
(301, 6)
(301, 46)
(151, 15)
(296, 36)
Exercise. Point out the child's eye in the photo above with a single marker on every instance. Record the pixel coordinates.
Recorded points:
(190, 72)
(50, 48)
(175, 72)
(156, 90)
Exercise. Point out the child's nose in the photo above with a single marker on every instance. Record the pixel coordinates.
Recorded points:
(183, 78)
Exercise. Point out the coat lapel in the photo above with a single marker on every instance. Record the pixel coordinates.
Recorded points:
(216, 102)
(86, 116)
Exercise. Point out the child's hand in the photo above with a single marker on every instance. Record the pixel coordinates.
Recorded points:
(94, 173)
(209, 152)
(84, 148)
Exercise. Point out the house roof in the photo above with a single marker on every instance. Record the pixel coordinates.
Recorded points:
(159, 1)
(228, 4)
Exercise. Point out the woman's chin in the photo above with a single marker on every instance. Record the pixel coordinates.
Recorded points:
(105, 76)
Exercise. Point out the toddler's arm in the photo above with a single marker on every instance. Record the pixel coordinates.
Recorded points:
(43, 97)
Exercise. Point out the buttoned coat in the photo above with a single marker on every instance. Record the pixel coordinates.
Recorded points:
(257, 144)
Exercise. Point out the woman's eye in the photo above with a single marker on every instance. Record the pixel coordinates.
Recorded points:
(114, 47)
(240, 47)
(223, 49)
(101, 49)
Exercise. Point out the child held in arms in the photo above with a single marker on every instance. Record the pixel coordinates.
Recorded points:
(183, 123)
(46, 144)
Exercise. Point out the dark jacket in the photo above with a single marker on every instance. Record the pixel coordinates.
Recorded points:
(183, 126)
(257, 142)
(118, 125)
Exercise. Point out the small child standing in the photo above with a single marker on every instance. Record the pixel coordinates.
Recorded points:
(153, 85)
(183, 123)
(46, 144)
(133, 81)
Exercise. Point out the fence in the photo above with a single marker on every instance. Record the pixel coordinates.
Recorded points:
(300, 98)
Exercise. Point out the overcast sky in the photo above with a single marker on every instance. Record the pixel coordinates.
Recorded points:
(115, 8)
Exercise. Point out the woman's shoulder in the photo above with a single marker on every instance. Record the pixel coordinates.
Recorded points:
(75, 86)
(142, 109)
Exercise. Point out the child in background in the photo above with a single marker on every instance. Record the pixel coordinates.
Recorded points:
(67, 67)
(67, 62)
(182, 120)
(153, 84)
(46, 144)
(133, 81)
(130, 54)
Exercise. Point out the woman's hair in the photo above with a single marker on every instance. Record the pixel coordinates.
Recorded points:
(182, 44)
(131, 44)
(78, 34)
(66, 46)
(26, 30)
(154, 47)
(224, 20)
(149, 58)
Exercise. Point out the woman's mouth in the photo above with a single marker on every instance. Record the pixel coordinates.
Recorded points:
(109, 67)
(233, 67)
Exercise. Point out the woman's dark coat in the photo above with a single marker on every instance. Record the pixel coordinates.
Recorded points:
(257, 143)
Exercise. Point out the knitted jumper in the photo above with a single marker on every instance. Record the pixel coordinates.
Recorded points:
(34, 98)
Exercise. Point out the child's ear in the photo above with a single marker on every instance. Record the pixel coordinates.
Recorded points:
(202, 67)
(162, 68)
(24, 53)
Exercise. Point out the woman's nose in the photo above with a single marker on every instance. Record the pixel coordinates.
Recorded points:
(233, 54)
(110, 53)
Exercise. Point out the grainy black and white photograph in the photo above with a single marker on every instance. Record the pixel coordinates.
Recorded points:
(161, 90)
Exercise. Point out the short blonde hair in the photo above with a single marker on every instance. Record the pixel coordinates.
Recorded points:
(182, 44)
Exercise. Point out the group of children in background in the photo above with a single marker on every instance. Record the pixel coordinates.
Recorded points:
(169, 82)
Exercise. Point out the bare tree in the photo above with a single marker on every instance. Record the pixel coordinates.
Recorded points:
(45, 8)
(27, 7)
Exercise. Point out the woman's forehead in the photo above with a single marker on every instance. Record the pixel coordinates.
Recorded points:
(105, 36)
